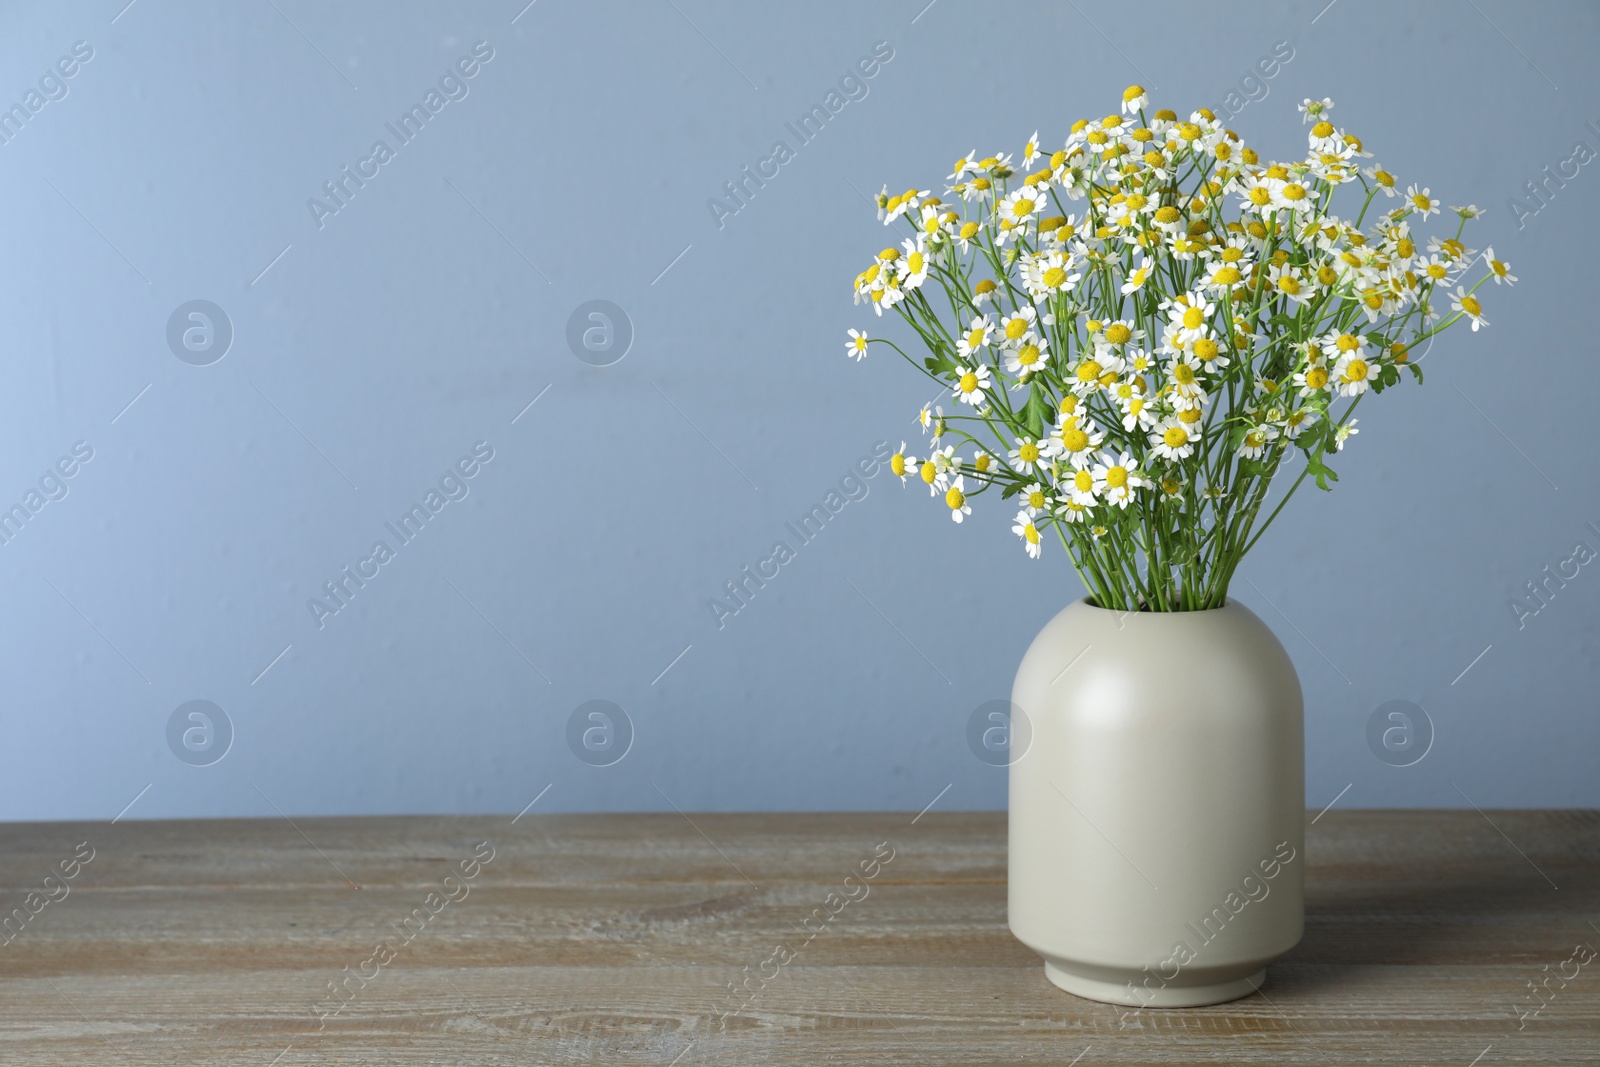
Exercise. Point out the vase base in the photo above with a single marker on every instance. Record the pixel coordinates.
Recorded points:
(1112, 986)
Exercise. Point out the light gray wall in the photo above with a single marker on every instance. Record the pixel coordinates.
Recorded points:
(373, 350)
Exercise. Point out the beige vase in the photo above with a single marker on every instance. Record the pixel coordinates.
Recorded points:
(1157, 846)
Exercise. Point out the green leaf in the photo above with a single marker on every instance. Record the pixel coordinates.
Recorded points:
(1320, 470)
(1037, 414)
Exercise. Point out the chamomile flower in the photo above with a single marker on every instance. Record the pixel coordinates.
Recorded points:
(1171, 438)
(1256, 441)
(1075, 439)
(1190, 314)
(1137, 414)
(1343, 433)
(1315, 110)
(1353, 374)
(901, 465)
(1116, 477)
(955, 499)
(1080, 487)
(972, 385)
(1298, 422)
(964, 164)
(1034, 498)
(1312, 380)
(1421, 200)
(914, 263)
(974, 337)
(1027, 357)
(1023, 526)
(1138, 273)
(856, 347)
(1026, 456)
(1465, 303)
(1498, 270)
(1030, 151)
(1134, 99)
(1022, 207)
(1048, 275)
(1017, 327)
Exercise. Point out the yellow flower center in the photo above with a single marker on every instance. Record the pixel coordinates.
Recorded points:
(1028, 355)
(1188, 131)
(1193, 317)
(1189, 415)
(897, 463)
(1347, 343)
(1083, 481)
(1031, 533)
(1327, 275)
(1470, 305)
(1036, 499)
(1316, 378)
(929, 472)
(1422, 202)
(975, 337)
(1289, 284)
(969, 231)
(1054, 277)
(955, 498)
(1132, 93)
(969, 382)
(1069, 404)
(1436, 271)
(1205, 348)
(1260, 197)
(1175, 437)
(1294, 191)
(1355, 370)
(1016, 327)
(1117, 477)
(914, 263)
(1255, 439)
(1074, 439)
(889, 255)
(1183, 374)
(1023, 206)
(1089, 370)
(1028, 453)
(981, 462)
(1322, 129)
(1117, 333)
(985, 286)
(1168, 215)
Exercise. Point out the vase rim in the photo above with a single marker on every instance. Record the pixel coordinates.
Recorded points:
(1087, 602)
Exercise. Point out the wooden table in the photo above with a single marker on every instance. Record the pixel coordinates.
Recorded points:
(624, 939)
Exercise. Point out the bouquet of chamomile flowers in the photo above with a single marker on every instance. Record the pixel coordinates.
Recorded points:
(1136, 330)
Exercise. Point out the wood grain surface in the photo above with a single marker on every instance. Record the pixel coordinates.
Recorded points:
(684, 939)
